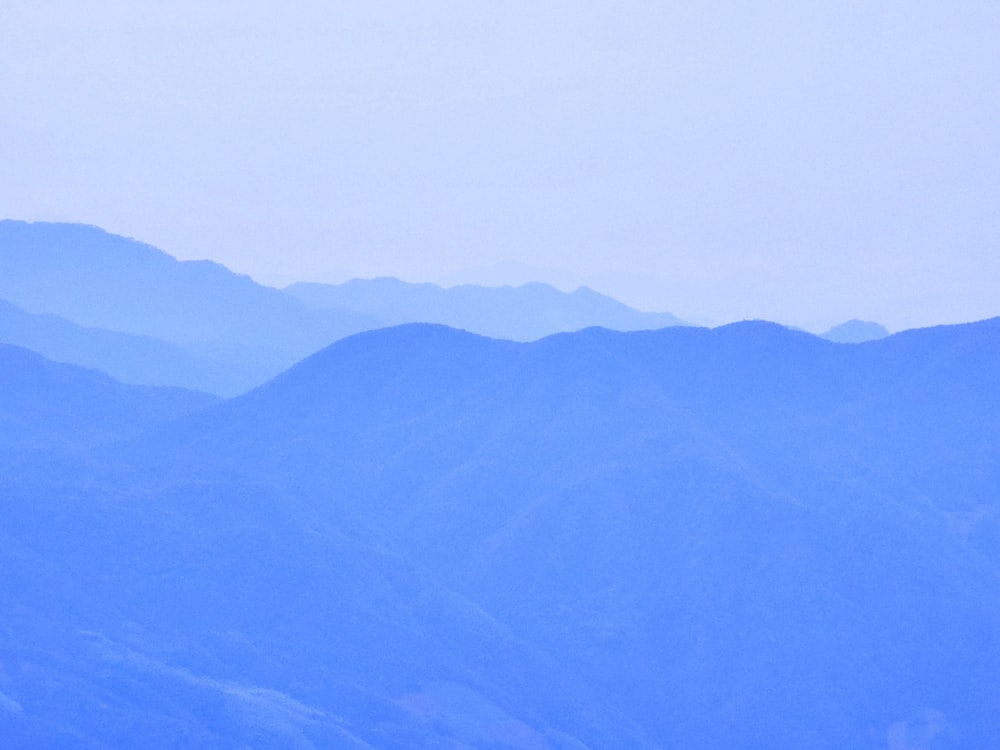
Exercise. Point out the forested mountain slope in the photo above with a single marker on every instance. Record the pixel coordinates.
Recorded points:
(417, 537)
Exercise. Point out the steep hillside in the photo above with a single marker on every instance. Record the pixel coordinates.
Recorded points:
(418, 537)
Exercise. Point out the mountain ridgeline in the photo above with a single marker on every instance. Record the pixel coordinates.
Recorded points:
(127, 357)
(80, 295)
(418, 537)
(523, 313)
(102, 281)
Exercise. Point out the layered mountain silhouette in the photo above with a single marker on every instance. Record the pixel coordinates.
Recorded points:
(48, 407)
(130, 358)
(420, 537)
(522, 313)
(205, 327)
(99, 280)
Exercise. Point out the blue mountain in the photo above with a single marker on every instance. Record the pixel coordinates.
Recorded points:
(420, 537)
(855, 332)
(48, 407)
(79, 294)
(99, 280)
(130, 358)
(522, 313)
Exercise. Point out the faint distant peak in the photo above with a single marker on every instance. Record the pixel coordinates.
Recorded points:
(511, 274)
(855, 331)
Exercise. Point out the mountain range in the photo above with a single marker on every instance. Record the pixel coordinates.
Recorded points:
(81, 295)
(130, 358)
(421, 537)
(524, 313)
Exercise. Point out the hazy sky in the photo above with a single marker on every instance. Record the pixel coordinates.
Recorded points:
(800, 161)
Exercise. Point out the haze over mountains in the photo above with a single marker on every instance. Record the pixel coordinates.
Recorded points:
(77, 294)
(421, 537)
(222, 332)
(855, 332)
(99, 280)
(259, 512)
(522, 313)
(418, 537)
(128, 357)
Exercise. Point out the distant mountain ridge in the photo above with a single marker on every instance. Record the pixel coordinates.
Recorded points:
(97, 279)
(235, 333)
(100, 280)
(522, 313)
(856, 332)
(130, 358)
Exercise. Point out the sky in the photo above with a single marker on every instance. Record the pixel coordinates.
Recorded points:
(801, 162)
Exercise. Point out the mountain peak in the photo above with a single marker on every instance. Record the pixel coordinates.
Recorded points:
(855, 331)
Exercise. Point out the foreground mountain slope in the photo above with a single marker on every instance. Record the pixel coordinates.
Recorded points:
(228, 617)
(166, 611)
(418, 537)
(780, 500)
(521, 313)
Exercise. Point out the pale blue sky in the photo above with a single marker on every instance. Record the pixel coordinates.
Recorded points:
(804, 162)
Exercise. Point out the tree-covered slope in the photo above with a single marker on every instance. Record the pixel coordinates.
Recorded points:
(418, 537)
